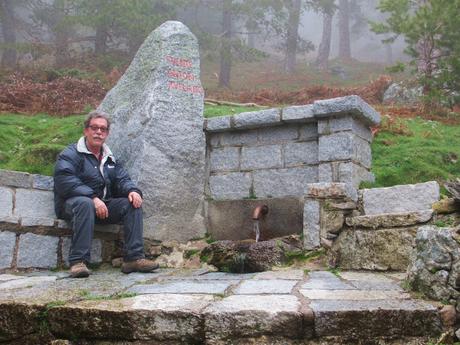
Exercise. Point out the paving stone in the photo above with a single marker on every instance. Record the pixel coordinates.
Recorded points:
(159, 319)
(398, 199)
(290, 274)
(223, 159)
(26, 282)
(218, 124)
(261, 157)
(301, 153)
(365, 320)
(7, 244)
(96, 250)
(6, 202)
(238, 138)
(356, 295)
(187, 287)
(276, 135)
(256, 119)
(15, 179)
(311, 224)
(230, 186)
(352, 105)
(273, 286)
(283, 182)
(34, 203)
(365, 276)
(328, 283)
(213, 276)
(6, 277)
(37, 251)
(36, 221)
(42, 182)
(375, 285)
(253, 315)
(298, 113)
(389, 220)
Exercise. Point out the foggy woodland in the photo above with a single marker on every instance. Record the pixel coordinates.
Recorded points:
(417, 37)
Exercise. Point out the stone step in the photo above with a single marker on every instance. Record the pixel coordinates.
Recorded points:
(189, 307)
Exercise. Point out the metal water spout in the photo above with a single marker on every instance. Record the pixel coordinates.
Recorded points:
(258, 212)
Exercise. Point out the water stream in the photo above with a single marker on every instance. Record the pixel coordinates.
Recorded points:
(256, 229)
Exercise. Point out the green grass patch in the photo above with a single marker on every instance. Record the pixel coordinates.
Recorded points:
(226, 110)
(415, 150)
(88, 296)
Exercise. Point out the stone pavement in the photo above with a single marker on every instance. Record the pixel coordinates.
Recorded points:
(200, 307)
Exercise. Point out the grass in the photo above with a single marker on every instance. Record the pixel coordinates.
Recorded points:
(222, 110)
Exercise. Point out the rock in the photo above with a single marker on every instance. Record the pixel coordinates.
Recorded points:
(157, 113)
(447, 205)
(399, 199)
(250, 256)
(398, 93)
(332, 221)
(390, 220)
(448, 315)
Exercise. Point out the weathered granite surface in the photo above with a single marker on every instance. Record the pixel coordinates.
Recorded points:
(157, 113)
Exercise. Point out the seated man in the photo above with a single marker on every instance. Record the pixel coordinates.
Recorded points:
(90, 186)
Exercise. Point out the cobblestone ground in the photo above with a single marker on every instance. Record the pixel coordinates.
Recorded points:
(200, 307)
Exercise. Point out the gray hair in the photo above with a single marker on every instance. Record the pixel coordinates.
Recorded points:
(97, 114)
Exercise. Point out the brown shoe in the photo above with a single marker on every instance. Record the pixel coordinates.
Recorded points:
(79, 270)
(139, 265)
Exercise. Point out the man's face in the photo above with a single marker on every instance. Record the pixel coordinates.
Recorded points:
(96, 133)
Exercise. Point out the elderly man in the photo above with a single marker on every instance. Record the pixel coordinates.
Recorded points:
(90, 187)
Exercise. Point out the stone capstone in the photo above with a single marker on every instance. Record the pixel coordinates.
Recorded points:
(398, 199)
(156, 110)
(37, 251)
(390, 220)
(15, 179)
(7, 243)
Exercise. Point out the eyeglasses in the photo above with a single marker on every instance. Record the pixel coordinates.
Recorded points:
(96, 128)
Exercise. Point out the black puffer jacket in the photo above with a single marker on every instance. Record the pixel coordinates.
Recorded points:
(77, 173)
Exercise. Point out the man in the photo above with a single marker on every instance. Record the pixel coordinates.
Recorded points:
(90, 186)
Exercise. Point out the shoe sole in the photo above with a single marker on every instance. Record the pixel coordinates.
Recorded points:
(127, 271)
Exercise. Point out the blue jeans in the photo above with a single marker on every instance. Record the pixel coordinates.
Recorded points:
(82, 214)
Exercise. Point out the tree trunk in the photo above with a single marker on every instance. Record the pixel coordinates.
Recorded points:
(325, 45)
(226, 45)
(344, 31)
(292, 35)
(100, 43)
(9, 55)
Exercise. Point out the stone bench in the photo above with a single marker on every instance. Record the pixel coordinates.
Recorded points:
(30, 234)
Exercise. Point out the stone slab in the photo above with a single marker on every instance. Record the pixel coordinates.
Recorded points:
(365, 276)
(355, 295)
(373, 318)
(308, 131)
(225, 159)
(9, 219)
(96, 250)
(344, 146)
(290, 274)
(6, 202)
(311, 224)
(390, 219)
(398, 199)
(375, 285)
(344, 123)
(253, 315)
(26, 282)
(273, 286)
(7, 244)
(238, 138)
(301, 153)
(156, 110)
(330, 283)
(37, 221)
(256, 119)
(261, 157)
(7, 277)
(218, 124)
(352, 105)
(37, 251)
(42, 182)
(330, 190)
(278, 134)
(298, 113)
(230, 186)
(27, 201)
(283, 182)
(15, 179)
(187, 287)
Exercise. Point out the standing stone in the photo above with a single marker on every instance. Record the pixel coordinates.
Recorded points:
(156, 110)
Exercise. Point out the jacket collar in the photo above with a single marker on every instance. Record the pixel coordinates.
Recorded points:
(106, 152)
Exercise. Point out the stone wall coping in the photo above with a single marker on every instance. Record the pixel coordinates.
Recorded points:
(19, 179)
(331, 190)
(389, 220)
(341, 106)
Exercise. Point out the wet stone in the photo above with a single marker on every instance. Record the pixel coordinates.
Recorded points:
(253, 287)
(188, 287)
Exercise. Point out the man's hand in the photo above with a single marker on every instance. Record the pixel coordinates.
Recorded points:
(101, 209)
(135, 199)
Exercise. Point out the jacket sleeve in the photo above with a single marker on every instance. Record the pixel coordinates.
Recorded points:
(124, 184)
(66, 181)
